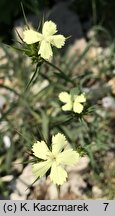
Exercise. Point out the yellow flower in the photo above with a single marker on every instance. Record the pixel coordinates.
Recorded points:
(54, 159)
(46, 39)
(72, 102)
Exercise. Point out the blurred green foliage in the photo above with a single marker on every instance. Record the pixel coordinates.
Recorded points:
(9, 12)
(36, 114)
(93, 11)
(97, 11)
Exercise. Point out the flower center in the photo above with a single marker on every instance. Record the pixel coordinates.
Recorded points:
(53, 157)
(46, 38)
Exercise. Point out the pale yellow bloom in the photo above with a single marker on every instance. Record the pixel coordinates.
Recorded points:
(72, 102)
(47, 39)
(54, 159)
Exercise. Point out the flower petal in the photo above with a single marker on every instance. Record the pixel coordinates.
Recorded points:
(31, 36)
(68, 157)
(58, 175)
(67, 107)
(39, 169)
(45, 50)
(58, 143)
(64, 97)
(80, 98)
(58, 40)
(40, 150)
(49, 28)
(77, 107)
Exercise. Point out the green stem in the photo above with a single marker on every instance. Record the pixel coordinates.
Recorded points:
(62, 122)
(58, 69)
(58, 190)
(54, 66)
(94, 12)
(33, 77)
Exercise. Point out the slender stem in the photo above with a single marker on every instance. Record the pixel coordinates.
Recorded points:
(54, 66)
(58, 190)
(58, 69)
(94, 12)
(25, 19)
(45, 77)
(62, 122)
(33, 77)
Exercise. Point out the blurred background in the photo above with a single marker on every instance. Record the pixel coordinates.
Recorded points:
(89, 57)
(90, 12)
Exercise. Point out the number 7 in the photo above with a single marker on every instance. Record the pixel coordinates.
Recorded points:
(106, 204)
